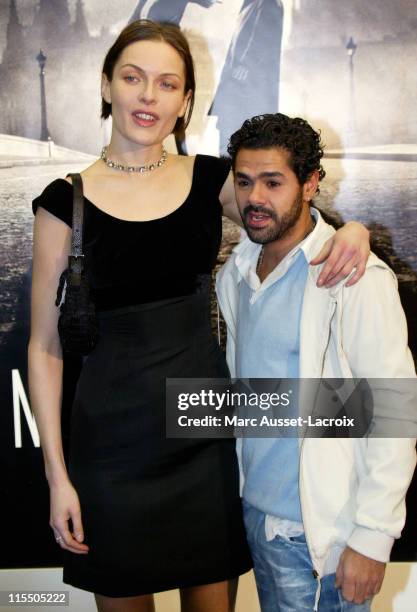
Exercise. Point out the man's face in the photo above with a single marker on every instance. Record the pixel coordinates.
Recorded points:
(269, 196)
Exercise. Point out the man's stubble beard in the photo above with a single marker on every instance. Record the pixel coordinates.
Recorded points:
(281, 226)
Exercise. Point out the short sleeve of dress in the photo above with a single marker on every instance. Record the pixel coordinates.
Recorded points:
(56, 198)
(216, 170)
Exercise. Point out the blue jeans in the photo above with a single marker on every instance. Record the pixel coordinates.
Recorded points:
(284, 573)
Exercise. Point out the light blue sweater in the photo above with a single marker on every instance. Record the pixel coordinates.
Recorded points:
(267, 346)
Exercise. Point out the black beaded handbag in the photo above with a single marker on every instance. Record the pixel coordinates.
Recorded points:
(77, 323)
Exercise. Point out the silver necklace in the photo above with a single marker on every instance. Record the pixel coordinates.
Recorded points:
(145, 168)
(260, 259)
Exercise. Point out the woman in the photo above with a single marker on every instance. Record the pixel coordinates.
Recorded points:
(137, 513)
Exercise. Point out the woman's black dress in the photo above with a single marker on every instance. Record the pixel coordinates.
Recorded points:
(157, 513)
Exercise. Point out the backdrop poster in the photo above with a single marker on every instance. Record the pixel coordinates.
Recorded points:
(349, 67)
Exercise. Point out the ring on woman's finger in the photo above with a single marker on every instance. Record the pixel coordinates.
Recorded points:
(58, 539)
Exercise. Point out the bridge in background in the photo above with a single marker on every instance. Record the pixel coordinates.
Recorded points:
(18, 151)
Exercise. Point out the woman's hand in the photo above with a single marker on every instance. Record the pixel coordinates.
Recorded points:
(349, 248)
(65, 505)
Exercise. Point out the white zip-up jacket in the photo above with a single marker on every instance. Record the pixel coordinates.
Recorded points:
(352, 491)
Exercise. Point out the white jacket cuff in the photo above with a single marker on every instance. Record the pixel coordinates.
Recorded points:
(371, 543)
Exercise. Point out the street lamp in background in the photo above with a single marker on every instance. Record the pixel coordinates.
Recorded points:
(44, 126)
(351, 50)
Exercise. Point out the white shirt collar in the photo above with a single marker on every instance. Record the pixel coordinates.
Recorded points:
(247, 254)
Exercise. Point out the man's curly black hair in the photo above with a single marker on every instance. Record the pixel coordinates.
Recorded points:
(294, 135)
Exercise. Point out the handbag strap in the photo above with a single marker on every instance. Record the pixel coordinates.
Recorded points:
(76, 257)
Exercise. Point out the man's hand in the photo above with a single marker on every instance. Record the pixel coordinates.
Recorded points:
(358, 577)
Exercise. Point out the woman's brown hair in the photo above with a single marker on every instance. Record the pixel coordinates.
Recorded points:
(145, 29)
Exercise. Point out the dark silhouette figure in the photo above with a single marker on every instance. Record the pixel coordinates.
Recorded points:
(161, 10)
(249, 83)
(172, 11)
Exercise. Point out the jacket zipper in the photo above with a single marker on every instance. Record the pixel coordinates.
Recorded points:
(329, 325)
(315, 572)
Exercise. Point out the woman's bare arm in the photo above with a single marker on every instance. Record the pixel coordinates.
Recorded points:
(228, 201)
(51, 247)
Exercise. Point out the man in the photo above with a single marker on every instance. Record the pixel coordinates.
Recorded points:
(321, 528)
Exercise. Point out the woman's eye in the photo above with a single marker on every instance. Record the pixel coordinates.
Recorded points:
(167, 85)
(130, 78)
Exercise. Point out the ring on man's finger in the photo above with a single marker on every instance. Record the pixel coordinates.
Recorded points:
(59, 539)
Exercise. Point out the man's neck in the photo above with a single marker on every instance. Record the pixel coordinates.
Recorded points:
(274, 252)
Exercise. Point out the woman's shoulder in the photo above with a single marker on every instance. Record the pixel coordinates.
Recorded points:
(56, 198)
(220, 163)
(212, 170)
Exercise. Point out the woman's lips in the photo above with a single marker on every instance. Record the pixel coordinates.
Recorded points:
(144, 119)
